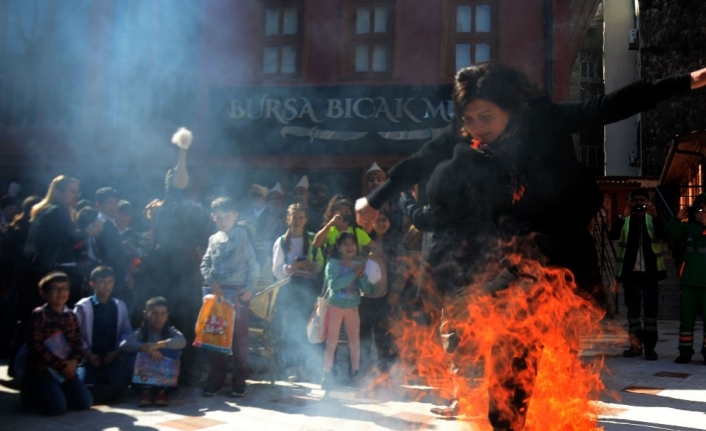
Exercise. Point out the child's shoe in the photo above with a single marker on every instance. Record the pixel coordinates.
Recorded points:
(239, 391)
(145, 399)
(162, 399)
(327, 381)
(210, 392)
(292, 374)
(355, 379)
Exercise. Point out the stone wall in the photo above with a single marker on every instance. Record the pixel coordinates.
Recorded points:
(673, 40)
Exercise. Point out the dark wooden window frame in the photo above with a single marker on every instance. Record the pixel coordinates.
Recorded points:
(261, 40)
(451, 37)
(350, 39)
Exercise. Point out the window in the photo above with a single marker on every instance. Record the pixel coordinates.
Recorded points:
(368, 39)
(471, 35)
(691, 185)
(282, 35)
(588, 70)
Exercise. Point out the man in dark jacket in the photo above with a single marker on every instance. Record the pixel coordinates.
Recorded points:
(639, 266)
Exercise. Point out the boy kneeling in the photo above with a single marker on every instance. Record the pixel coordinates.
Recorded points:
(105, 322)
(159, 341)
(54, 352)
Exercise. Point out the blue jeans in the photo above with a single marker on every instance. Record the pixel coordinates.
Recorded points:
(52, 398)
(115, 373)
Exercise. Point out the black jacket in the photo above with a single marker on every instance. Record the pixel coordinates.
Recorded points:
(560, 197)
(547, 138)
(52, 239)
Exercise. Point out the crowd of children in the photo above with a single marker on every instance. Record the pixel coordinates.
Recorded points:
(95, 271)
(92, 346)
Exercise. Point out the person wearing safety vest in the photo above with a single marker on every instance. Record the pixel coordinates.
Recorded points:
(688, 227)
(639, 265)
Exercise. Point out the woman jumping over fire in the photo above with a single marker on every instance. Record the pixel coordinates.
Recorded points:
(504, 169)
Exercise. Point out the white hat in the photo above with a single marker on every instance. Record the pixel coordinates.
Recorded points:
(276, 189)
(375, 167)
(304, 183)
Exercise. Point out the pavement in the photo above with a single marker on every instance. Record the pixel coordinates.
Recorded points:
(640, 395)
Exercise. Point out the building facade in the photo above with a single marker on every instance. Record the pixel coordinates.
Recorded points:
(266, 85)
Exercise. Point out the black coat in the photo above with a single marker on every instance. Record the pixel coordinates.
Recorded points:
(52, 239)
(560, 198)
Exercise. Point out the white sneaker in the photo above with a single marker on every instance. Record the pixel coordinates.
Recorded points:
(292, 374)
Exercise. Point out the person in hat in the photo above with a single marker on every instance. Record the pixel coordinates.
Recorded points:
(271, 222)
(639, 266)
(374, 177)
(688, 226)
(300, 192)
(317, 199)
(257, 197)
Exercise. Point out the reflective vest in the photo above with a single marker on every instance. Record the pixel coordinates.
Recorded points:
(623, 242)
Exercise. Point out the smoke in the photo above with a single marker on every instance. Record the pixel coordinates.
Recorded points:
(94, 89)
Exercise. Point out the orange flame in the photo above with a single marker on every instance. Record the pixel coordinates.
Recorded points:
(526, 336)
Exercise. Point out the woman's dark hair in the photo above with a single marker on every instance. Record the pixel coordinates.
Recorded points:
(86, 216)
(506, 86)
(336, 254)
(83, 203)
(335, 204)
(25, 215)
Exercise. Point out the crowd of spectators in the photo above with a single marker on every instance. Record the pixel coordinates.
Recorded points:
(111, 275)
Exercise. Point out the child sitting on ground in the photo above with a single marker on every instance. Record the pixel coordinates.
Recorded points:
(54, 352)
(159, 341)
(105, 322)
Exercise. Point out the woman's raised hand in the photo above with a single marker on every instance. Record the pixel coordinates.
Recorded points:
(698, 79)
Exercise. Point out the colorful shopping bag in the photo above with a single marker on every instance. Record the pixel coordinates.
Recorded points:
(214, 327)
(318, 322)
(155, 373)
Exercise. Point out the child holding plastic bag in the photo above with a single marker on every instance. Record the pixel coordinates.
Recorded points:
(230, 268)
(345, 278)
